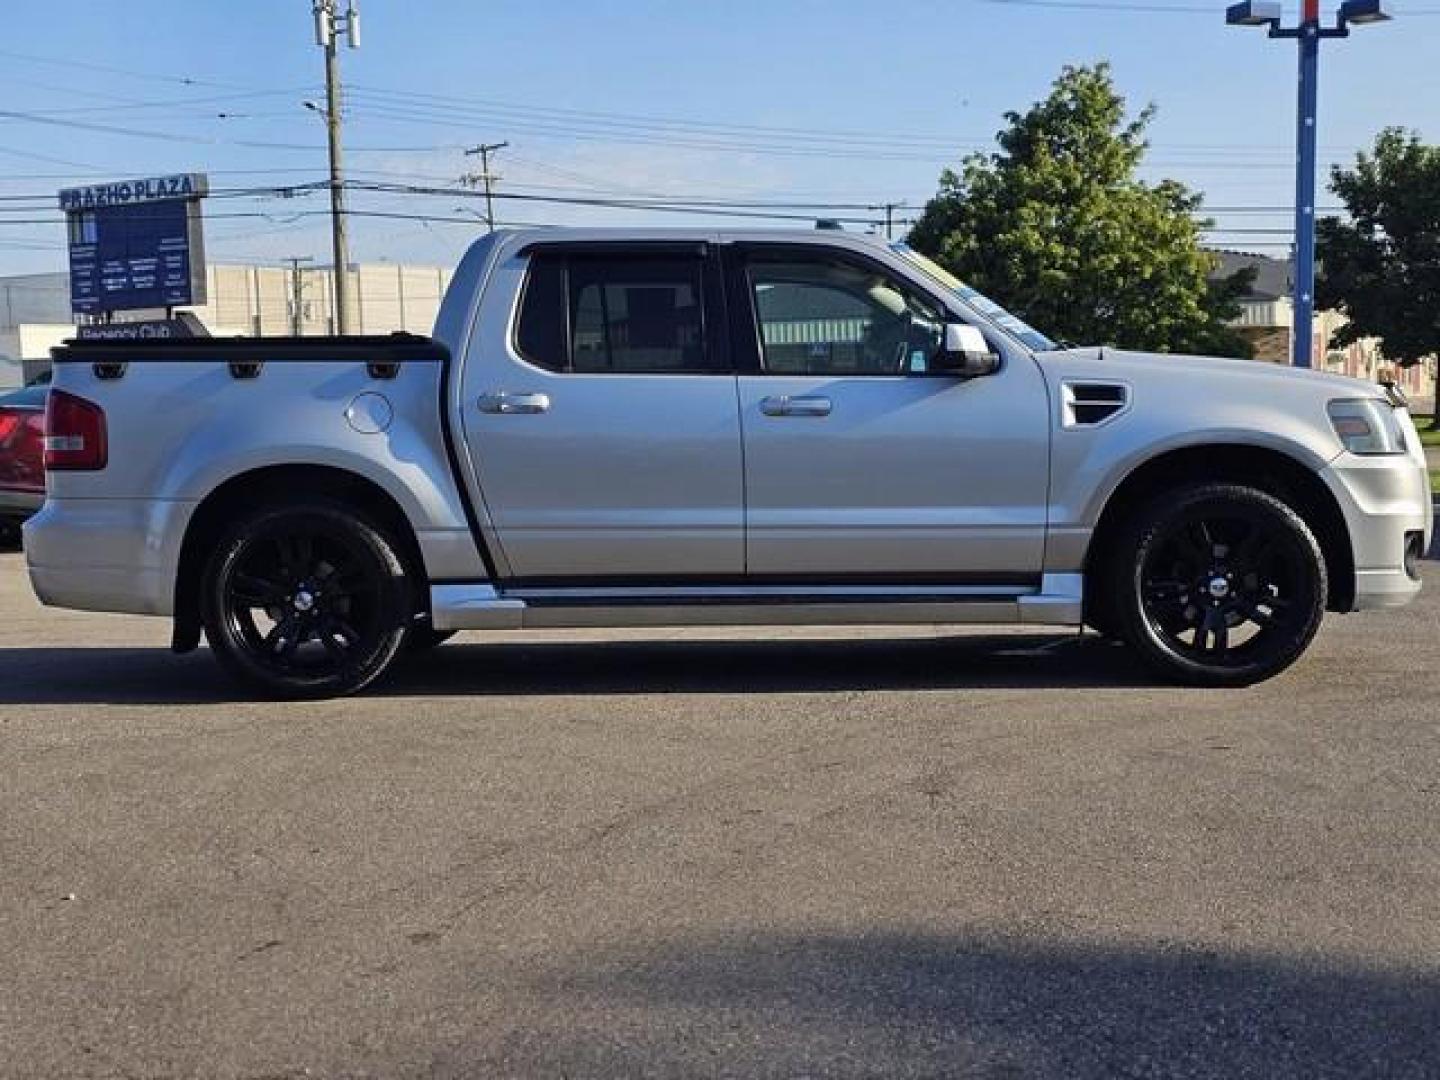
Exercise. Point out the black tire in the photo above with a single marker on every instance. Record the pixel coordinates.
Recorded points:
(305, 600)
(1216, 585)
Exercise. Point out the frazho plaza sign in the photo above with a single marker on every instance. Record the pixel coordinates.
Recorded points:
(136, 245)
(123, 192)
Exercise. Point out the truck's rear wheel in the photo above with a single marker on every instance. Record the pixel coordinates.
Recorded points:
(1217, 585)
(305, 600)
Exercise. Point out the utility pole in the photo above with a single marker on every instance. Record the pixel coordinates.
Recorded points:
(297, 293)
(890, 208)
(328, 24)
(485, 150)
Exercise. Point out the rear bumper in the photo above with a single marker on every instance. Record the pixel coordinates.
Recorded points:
(19, 505)
(107, 554)
(1386, 502)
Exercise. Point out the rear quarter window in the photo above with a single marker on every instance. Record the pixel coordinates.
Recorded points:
(541, 331)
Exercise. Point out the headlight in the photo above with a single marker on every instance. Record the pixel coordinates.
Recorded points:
(1367, 426)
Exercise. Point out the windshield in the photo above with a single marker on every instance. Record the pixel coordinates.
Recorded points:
(979, 301)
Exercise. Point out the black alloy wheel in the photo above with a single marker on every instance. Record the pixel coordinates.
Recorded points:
(305, 600)
(1221, 584)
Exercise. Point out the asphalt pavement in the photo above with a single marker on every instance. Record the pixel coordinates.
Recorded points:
(851, 853)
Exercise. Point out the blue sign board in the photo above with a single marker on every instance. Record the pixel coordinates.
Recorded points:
(136, 245)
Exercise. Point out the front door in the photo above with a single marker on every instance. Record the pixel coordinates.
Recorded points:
(860, 462)
(603, 426)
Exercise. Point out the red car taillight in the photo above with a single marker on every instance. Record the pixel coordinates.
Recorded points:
(75, 437)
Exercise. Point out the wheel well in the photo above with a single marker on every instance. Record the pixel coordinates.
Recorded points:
(282, 482)
(1271, 471)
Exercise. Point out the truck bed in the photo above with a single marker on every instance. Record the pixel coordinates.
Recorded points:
(186, 417)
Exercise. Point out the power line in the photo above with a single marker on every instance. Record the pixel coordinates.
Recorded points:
(674, 136)
(32, 156)
(1107, 5)
(112, 70)
(168, 136)
(178, 102)
(1148, 8)
(846, 151)
(853, 212)
(436, 103)
(410, 105)
(600, 202)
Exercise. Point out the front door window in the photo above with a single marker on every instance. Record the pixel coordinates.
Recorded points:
(822, 317)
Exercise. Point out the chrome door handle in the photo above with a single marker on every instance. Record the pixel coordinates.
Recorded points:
(795, 406)
(505, 404)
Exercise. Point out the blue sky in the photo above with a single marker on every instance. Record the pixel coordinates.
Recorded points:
(688, 99)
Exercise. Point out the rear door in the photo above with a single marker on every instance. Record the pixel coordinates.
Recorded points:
(862, 464)
(600, 415)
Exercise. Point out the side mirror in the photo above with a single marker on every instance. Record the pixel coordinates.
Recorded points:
(966, 353)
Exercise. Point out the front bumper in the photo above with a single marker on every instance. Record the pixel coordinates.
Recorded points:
(1386, 501)
(107, 554)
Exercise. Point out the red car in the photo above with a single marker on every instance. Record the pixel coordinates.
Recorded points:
(22, 451)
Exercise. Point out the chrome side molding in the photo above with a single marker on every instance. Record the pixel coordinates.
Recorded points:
(480, 606)
(473, 605)
(1060, 601)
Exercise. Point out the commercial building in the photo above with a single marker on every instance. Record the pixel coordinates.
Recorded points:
(243, 300)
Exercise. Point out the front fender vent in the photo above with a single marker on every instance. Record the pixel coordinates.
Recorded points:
(1089, 404)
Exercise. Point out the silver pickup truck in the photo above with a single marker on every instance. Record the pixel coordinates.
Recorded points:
(680, 428)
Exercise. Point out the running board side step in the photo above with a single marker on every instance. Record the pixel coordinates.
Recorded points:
(480, 606)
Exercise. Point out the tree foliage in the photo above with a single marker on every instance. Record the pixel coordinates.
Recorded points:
(1057, 226)
(1381, 268)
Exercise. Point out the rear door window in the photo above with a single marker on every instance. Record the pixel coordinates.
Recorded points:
(616, 314)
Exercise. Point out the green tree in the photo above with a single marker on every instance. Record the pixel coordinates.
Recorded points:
(1057, 227)
(1381, 268)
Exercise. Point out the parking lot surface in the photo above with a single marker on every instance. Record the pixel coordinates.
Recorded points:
(852, 853)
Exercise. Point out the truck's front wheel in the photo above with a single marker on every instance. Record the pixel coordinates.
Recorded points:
(305, 600)
(1217, 584)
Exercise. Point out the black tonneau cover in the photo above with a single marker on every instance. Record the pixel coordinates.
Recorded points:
(374, 349)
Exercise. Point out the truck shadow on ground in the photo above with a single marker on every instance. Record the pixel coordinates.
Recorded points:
(465, 667)
(899, 1004)
(1031, 661)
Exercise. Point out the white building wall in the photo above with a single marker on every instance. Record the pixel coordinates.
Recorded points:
(30, 304)
(241, 300)
(40, 298)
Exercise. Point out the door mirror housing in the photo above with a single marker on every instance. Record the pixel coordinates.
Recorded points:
(966, 353)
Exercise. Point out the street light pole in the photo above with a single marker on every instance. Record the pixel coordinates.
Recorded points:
(1308, 35)
(1305, 166)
